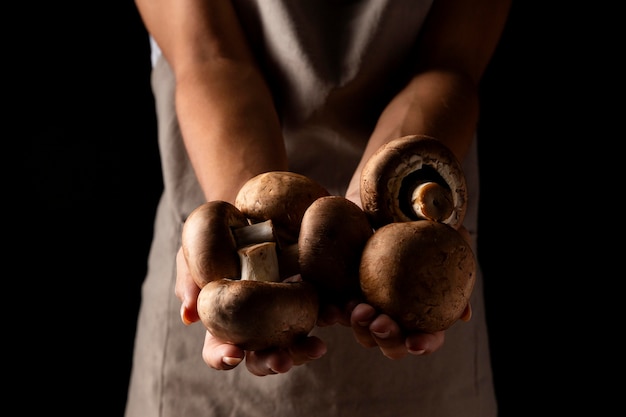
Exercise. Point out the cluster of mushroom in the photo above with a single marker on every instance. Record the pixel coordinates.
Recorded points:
(245, 257)
(417, 267)
(401, 252)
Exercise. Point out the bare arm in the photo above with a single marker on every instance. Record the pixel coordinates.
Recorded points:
(441, 100)
(231, 132)
(225, 109)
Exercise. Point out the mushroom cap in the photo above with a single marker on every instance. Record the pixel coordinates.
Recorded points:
(386, 178)
(420, 273)
(332, 236)
(208, 243)
(256, 315)
(280, 196)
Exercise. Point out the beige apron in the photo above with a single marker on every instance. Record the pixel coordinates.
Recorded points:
(330, 82)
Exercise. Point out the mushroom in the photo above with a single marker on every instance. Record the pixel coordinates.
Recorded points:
(242, 299)
(421, 273)
(213, 234)
(256, 315)
(258, 309)
(411, 178)
(332, 236)
(281, 196)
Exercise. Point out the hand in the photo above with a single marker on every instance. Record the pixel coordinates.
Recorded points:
(372, 329)
(224, 356)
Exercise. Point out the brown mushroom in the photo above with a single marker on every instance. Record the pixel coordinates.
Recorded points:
(256, 315)
(420, 273)
(208, 243)
(281, 196)
(212, 235)
(257, 310)
(332, 236)
(411, 178)
(253, 310)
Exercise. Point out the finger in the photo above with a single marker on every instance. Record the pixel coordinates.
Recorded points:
(362, 316)
(390, 339)
(306, 350)
(331, 314)
(268, 361)
(424, 343)
(186, 290)
(220, 355)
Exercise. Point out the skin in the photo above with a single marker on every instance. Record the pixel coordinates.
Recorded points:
(232, 133)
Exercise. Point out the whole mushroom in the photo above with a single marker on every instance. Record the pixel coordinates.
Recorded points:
(208, 244)
(420, 273)
(258, 315)
(332, 236)
(242, 299)
(416, 267)
(213, 236)
(281, 196)
(255, 308)
(412, 178)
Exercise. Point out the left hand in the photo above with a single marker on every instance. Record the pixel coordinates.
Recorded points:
(372, 329)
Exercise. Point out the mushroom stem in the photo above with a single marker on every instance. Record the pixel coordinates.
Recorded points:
(259, 262)
(254, 233)
(431, 201)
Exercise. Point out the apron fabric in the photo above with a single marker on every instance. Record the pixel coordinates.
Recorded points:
(330, 82)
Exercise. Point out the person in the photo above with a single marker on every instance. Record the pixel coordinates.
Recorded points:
(244, 87)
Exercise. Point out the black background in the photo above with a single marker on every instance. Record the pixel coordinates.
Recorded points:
(91, 177)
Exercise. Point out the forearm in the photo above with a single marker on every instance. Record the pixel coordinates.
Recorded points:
(440, 104)
(441, 100)
(224, 107)
(229, 125)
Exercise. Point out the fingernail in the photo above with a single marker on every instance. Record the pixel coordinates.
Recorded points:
(183, 315)
(381, 335)
(417, 352)
(230, 361)
(316, 355)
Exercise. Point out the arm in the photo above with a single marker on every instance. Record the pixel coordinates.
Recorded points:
(441, 100)
(231, 132)
(225, 109)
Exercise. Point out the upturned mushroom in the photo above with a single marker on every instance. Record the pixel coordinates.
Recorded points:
(412, 178)
(332, 236)
(420, 273)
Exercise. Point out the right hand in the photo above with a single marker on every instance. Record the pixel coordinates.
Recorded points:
(224, 356)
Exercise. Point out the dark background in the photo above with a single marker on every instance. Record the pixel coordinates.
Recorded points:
(92, 176)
